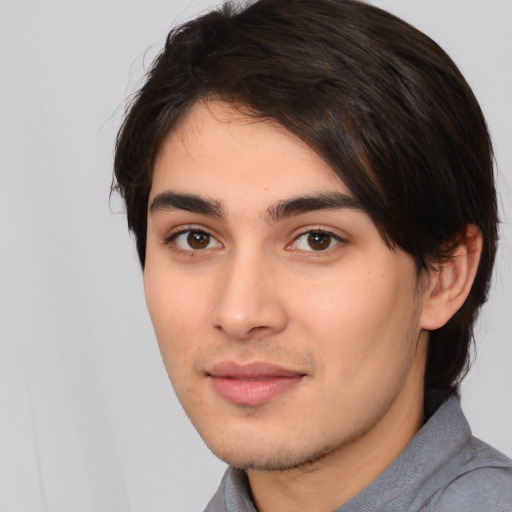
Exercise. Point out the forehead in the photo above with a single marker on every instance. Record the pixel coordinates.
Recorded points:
(218, 149)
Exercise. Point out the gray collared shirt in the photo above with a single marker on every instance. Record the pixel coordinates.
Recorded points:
(443, 469)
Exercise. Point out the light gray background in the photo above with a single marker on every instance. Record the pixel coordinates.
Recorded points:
(88, 422)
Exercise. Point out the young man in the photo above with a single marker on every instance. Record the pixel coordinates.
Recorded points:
(311, 189)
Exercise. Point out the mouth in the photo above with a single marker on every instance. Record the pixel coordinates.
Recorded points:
(252, 384)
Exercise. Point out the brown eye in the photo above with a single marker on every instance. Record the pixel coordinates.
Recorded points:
(197, 240)
(192, 241)
(319, 241)
(315, 241)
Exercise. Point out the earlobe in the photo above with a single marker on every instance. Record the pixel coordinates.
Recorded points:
(450, 283)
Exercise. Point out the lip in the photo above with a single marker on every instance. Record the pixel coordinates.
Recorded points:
(252, 384)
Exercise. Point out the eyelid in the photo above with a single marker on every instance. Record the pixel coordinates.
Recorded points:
(184, 229)
(313, 230)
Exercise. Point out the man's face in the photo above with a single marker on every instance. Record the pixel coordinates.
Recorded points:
(287, 326)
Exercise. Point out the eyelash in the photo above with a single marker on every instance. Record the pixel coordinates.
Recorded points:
(171, 240)
(311, 232)
(191, 252)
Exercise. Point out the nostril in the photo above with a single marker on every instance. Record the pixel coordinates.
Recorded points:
(247, 303)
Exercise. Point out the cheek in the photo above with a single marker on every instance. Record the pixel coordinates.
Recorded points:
(352, 302)
(361, 319)
(178, 315)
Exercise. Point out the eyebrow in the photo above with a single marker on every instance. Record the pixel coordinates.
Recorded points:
(306, 204)
(170, 201)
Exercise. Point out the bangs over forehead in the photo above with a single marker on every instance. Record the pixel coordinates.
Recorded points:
(378, 100)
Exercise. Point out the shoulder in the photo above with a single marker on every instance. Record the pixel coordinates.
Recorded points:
(482, 483)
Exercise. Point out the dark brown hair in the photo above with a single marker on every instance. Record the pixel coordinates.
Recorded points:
(373, 96)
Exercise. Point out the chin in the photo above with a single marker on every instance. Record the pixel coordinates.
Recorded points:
(259, 457)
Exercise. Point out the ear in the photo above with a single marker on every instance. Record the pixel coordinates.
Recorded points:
(450, 283)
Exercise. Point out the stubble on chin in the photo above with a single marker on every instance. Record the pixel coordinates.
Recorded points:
(254, 456)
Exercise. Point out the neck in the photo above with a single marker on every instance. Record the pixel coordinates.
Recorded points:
(331, 481)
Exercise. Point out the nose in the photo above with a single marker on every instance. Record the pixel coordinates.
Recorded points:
(248, 301)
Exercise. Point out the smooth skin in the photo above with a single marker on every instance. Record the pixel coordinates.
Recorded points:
(232, 276)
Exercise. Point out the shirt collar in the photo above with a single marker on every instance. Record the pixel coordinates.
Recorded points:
(441, 438)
